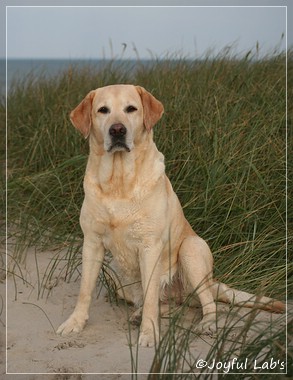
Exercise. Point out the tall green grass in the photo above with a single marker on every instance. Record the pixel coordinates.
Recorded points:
(223, 135)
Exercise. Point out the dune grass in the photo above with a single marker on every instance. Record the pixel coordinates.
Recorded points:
(223, 135)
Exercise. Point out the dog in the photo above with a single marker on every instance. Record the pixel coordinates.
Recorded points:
(131, 210)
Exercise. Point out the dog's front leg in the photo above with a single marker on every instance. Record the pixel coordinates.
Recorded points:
(92, 259)
(149, 261)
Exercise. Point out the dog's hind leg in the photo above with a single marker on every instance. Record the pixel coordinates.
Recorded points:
(224, 293)
(197, 265)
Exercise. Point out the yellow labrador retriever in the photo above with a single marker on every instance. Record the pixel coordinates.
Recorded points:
(131, 210)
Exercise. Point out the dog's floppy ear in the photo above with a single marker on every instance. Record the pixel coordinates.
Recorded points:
(81, 115)
(152, 108)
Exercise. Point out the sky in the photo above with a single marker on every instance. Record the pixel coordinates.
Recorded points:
(89, 32)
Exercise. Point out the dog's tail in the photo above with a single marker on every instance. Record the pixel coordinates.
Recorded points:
(224, 293)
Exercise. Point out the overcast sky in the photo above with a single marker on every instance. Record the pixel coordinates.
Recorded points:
(124, 31)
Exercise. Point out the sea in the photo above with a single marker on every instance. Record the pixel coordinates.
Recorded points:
(18, 69)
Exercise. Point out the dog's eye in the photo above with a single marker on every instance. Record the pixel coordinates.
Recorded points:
(130, 109)
(104, 110)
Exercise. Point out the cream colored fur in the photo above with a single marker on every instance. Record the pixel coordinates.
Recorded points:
(131, 210)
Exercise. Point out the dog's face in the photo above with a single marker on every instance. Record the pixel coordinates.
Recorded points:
(117, 113)
(117, 116)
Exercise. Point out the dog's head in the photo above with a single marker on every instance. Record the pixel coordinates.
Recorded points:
(117, 116)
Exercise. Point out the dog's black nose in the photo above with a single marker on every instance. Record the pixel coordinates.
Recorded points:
(117, 130)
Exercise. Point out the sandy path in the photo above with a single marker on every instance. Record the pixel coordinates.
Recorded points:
(102, 347)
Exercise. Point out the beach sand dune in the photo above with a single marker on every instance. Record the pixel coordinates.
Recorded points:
(102, 347)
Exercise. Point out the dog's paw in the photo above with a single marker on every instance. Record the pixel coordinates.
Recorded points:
(207, 326)
(72, 325)
(149, 335)
(147, 339)
(135, 318)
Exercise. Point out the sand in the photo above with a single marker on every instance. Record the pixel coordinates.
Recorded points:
(103, 347)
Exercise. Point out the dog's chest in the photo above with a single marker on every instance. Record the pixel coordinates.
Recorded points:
(119, 223)
(122, 229)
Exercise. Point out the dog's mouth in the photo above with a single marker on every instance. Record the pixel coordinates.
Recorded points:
(118, 146)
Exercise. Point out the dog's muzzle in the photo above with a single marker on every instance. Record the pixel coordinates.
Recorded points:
(118, 133)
